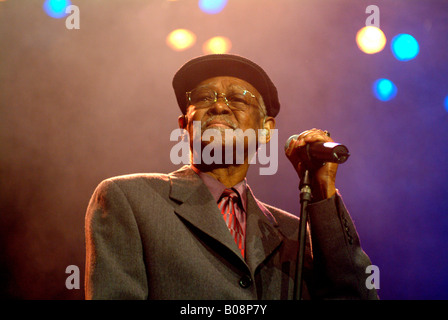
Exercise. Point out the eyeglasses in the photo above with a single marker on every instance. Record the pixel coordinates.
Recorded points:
(237, 98)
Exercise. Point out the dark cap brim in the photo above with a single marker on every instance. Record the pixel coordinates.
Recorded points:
(204, 67)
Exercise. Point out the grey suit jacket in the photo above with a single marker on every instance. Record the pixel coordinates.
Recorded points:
(157, 236)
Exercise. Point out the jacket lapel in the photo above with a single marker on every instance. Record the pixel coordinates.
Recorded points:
(198, 207)
(262, 236)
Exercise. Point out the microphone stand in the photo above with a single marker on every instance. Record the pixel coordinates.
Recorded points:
(339, 154)
(305, 197)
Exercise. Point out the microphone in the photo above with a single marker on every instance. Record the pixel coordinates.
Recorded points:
(321, 152)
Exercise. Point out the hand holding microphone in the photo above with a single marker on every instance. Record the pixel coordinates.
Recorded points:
(316, 151)
(321, 152)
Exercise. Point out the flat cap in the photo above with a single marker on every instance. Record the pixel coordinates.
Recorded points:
(215, 65)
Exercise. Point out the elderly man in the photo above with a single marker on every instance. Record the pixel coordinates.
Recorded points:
(199, 232)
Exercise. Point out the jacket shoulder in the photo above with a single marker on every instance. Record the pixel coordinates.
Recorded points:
(154, 179)
(135, 184)
(139, 177)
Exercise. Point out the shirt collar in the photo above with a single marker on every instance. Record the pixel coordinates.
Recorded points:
(216, 188)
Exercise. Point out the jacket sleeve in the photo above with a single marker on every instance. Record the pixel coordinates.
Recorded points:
(114, 256)
(339, 263)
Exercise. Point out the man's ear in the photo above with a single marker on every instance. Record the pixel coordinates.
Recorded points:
(268, 125)
(182, 121)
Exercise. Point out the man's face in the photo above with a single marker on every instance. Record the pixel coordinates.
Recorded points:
(225, 113)
(222, 114)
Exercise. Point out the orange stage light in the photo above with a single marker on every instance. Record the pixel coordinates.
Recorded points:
(180, 39)
(217, 45)
(370, 40)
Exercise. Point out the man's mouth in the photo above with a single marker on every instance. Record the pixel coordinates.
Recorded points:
(219, 123)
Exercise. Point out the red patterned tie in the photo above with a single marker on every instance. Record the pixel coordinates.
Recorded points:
(231, 212)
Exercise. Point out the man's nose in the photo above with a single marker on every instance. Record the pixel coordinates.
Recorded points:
(220, 106)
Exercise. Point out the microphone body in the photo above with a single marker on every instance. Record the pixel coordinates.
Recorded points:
(318, 153)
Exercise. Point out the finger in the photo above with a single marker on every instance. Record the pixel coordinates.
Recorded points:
(301, 139)
(316, 135)
(307, 137)
(313, 132)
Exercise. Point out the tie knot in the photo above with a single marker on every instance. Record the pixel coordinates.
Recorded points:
(231, 193)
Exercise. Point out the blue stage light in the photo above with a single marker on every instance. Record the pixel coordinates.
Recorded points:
(446, 103)
(384, 89)
(212, 6)
(404, 47)
(56, 8)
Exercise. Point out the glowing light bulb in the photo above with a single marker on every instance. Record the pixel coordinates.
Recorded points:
(370, 39)
(405, 47)
(384, 89)
(217, 45)
(212, 6)
(56, 8)
(180, 39)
